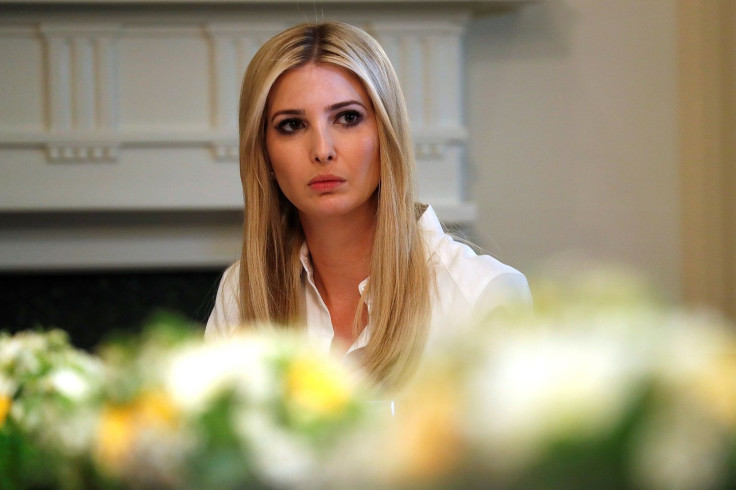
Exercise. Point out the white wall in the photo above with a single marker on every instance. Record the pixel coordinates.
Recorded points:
(572, 113)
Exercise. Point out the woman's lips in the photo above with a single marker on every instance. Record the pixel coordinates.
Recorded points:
(325, 182)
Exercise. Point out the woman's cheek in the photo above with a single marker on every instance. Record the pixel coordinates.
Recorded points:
(369, 150)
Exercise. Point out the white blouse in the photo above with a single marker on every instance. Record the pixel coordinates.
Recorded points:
(466, 284)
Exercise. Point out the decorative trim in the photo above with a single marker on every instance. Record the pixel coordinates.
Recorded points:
(225, 151)
(82, 152)
(14, 30)
(232, 47)
(79, 29)
(426, 57)
(260, 31)
(87, 148)
(430, 151)
(81, 63)
(452, 25)
(163, 30)
(58, 67)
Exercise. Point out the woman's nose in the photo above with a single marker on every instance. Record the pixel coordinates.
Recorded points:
(323, 149)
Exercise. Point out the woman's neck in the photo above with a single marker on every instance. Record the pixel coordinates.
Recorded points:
(341, 249)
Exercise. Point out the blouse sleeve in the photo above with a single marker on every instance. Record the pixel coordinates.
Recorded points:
(506, 290)
(225, 316)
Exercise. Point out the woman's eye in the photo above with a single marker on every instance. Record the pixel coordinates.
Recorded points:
(349, 118)
(288, 126)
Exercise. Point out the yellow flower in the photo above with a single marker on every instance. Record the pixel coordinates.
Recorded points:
(716, 388)
(116, 435)
(5, 403)
(121, 425)
(155, 409)
(429, 443)
(317, 386)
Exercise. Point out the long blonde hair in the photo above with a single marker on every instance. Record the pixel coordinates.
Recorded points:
(270, 269)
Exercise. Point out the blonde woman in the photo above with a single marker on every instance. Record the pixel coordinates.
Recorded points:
(333, 238)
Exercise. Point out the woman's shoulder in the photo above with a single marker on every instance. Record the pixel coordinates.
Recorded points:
(474, 275)
(232, 273)
(225, 315)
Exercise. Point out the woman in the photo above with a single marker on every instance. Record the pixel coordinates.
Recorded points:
(333, 237)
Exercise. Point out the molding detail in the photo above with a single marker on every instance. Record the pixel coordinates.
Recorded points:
(82, 91)
(80, 152)
(426, 57)
(232, 47)
(225, 151)
(434, 151)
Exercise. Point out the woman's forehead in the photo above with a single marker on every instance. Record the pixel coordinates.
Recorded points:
(313, 84)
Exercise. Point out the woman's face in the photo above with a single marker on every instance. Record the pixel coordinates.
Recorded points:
(322, 141)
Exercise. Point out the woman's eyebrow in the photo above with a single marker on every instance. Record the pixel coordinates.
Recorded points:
(288, 112)
(340, 105)
(329, 108)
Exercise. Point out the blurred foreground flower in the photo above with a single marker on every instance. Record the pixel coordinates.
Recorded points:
(165, 410)
(262, 409)
(601, 387)
(47, 392)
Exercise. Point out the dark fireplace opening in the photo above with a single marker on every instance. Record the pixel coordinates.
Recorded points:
(91, 306)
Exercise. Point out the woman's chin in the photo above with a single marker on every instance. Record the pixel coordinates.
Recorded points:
(337, 209)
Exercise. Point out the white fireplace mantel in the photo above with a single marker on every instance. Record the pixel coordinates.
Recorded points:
(115, 116)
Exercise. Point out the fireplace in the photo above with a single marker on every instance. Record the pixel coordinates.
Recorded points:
(118, 135)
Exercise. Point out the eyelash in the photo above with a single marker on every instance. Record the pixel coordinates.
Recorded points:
(282, 126)
(352, 113)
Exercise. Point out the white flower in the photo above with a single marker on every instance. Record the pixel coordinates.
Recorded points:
(9, 350)
(679, 449)
(281, 458)
(692, 344)
(7, 386)
(198, 373)
(535, 388)
(69, 383)
(75, 434)
(159, 456)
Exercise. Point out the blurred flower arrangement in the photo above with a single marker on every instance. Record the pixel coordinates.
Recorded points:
(168, 411)
(47, 390)
(602, 386)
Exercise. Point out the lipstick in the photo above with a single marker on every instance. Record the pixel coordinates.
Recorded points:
(325, 182)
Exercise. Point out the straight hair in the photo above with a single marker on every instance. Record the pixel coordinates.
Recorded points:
(270, 279)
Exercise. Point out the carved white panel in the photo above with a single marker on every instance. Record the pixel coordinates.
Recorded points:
(21, 79)
(81, 92)
(164, 79)
(427, 58)
(80, 63)
(233, 45)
